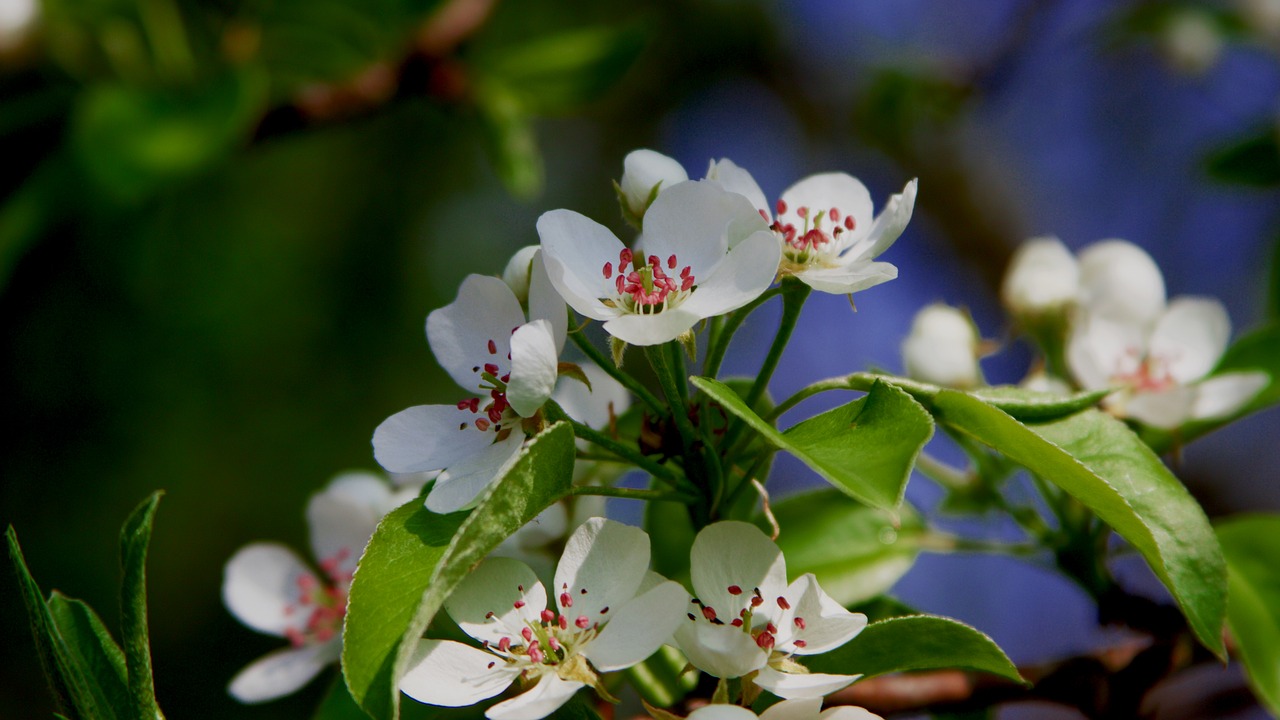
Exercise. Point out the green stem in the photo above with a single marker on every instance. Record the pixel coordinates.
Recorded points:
(632, 493)
(745, 482)
(794, 293)
(631, 455)
(720, 339)
(627, 380)
(676, 389)
(805, 393)
(943, 474)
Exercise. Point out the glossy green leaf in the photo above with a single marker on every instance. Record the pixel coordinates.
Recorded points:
(1099, 461)
(135, 538)
(865, 448)
(65, 684)
(417, 557)
(915, 642)
(93, 649)
(1251, 545)
(855, 551)
(1254, 161)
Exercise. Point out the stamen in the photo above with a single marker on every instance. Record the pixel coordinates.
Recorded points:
(834, 214)
(781, 206)
(765, 640)
(800, 643)
(671, 263)
(548, 616)
(482, 424)
(709, 613)
(504, 643)
(583, 622)
(518, 604)
(493, 348)
(526, 633)
(608, 270)
(800, 623)
(782, 603)
(735, 590)
(566, 600)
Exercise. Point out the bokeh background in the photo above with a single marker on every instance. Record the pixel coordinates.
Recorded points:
(223, 223)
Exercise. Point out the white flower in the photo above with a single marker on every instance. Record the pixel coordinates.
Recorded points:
(270, 589)
(610, 613)
(1192, 41)
(484, 342)
(1160, 365)
(1043, 277)
(645, 173)
(704, 252)
(519, 271)
(1119, 280)
(943, 348)
(746, 618)
(799, 709)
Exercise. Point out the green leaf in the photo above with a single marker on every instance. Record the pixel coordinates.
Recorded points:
(338, 704)
(509, 135)
(1254, 161)
(417, 557)
(884, 607)
(865, 448)
(1099, 461)
(1251, 545)
(855, 551)
(135, 537)
(90, 644)
(915, 642)
(1258, 350)
(671, 535)
(64, 682)
(1029, 405)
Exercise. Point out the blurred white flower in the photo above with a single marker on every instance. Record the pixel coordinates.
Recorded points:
(1262, 16)
(17, 19)
(943, 348)
(1043, 278)
(610, 613)
(704, 252)
(1192, 41)
(483, 341)
(746, 619)
(270, 589)
(799, 709)
(1119, 280)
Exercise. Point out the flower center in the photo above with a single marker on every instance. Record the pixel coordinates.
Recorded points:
(320, 607)
(755, 616)
(646, 288)
(549, 642)
(1151, 375)
(815, 239)
(497, 411)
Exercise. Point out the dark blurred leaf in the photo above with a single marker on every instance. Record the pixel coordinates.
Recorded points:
(559, 73)
(132, 140)
(1254, 161)
(1273, 284)
(899, 103)
(509, 134)
(46, 197)
(1251, 545)
(338, 704)
(135, 538)
(671, 533)
(68, 692)
(883, 608)
(1154, 18)
(90, 643)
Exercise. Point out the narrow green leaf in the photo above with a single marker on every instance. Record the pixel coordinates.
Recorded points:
(1103, 464)
(1251, 545)
(1254, 161)
(865, 448)
(416, 558)
(43, 631)
(135, 537)
(90, 644)
(1029, 405)
(855, 551)
(915, 642)
(510, 137)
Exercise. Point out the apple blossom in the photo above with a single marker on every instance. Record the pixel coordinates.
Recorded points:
(1043, 278)
(747, 621)
(798, 709)
(943, 348)
(645, 173)
(484, 342)
(704, 252)
(270, 589)
(1120, 280)
(610, 613)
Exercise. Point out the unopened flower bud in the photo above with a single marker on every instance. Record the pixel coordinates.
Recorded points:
(516, 274)
(1192, 41)
(943, 348)
(1120, 281)
(644, 173)
(1043, 278)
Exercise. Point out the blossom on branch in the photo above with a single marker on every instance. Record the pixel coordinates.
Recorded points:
(799, 709)
(609, 613)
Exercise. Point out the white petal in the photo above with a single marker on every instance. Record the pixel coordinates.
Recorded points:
(342, 518)
(427, 437)
(1100, 349)
(722, 651)
(799, 709)
(1042, 276)
(942, 348)
(1119, 280)
(484, 603)
(1190, 337)
(746, 272)
(607, 560)
(459, 333)
(591, 407)
(646, 330)
(851, 278)
(1166, 409)
(733, 178)
(534, 367)
(282, 672)
(575, 249)
(889, 224)
(518, 271)
(848, 712)
(733, 553)
(545, 303)
(443, 672)
(691, 221)
(466, 479)
(1224, 395)
(545, 698)
(260, 583)
(827, 625)
(820, 193)
(721, 711)
(801, 685)
(642, 170)
(638, 628)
